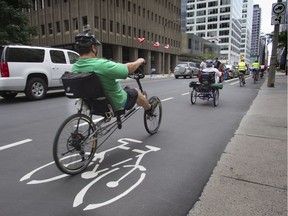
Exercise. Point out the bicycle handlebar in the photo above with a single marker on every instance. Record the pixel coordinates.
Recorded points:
(138, 73)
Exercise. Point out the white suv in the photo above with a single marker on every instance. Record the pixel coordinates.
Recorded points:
(32, 70)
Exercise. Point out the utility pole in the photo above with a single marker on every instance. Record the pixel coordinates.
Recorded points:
(272, 67)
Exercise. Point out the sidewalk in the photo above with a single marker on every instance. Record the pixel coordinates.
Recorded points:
(250, 178)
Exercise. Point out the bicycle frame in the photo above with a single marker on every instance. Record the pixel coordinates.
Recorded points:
(79, 136)
(102, 130)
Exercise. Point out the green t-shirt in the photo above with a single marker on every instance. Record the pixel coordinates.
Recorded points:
(108, 72)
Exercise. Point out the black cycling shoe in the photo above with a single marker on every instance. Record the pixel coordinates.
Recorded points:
(153, 104)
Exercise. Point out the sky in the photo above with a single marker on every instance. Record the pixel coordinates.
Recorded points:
(266, 11)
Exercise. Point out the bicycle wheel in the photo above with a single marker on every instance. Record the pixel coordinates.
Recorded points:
(74, 144)
(215, 97)
(152, 121)
(241, 83)
(193, 96)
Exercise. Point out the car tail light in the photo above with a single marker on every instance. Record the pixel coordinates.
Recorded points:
(4, 69)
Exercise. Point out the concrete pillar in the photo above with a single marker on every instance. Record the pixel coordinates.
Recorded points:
(117, 53)
(158, 61)
(147, 57)
(167, 64)
(133, 54)
(100, 51)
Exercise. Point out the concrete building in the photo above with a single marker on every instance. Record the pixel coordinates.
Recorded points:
(117, 24)
(218, 21)
(194, 47)
(246, 30)
(256, 26)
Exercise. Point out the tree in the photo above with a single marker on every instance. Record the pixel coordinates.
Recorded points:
(282, 44)
(14, 22)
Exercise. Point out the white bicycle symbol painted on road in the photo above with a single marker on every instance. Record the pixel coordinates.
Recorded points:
(97, 174)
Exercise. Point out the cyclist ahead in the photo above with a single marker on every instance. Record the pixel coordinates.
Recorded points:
(108, 72)
(242, 67)
(255, 69)
(210, 69)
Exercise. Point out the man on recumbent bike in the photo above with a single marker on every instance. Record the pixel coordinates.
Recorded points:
(108, 73)
(208, 72)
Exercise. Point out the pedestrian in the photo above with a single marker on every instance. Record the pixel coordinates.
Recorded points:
(217, 63)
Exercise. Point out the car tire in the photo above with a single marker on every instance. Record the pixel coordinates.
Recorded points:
(36, 89)
(176, 77)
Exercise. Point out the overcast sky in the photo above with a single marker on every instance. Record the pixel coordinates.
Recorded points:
(266, 10)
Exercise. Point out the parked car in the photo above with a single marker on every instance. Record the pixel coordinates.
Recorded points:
(186, 69)
(232, 71)
(33, 70)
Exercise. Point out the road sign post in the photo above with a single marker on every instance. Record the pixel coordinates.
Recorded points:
(278, 10)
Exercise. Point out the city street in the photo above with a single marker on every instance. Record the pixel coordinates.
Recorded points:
(141, 175)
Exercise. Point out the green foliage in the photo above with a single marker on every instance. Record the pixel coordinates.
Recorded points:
(207, 56)
(282, 39)
(14, 22)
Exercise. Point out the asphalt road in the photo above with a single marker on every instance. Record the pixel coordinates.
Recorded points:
(139, 174)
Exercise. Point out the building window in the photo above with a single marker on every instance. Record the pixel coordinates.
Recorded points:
(225, 17)
(50, 30)
(58, 28)
(66, 25)
(84, 20)
(42, 4)
(225, 10)
(96, 22)
(123, 30)
(104, 24)
(129, 31)
(212, 4)
(75, 23)
(200, 27)
(123, 4)
(111, 26)
(212, 26)
(213, 11)
(201, 20)
(201, 5)
(118, 28)
(201, 12)
(223, 32)
(212, 19)
(134, 32)
(129, 6)
(42, 30)
(224, 25)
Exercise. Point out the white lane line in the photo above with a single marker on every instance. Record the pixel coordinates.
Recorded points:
(234, 83)
(166, 99)
(185, 93)
(15, 144)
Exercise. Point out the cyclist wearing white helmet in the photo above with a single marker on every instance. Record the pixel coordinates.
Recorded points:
(210, 69)
(109, 72)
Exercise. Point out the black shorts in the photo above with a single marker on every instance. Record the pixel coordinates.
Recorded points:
(132, 95)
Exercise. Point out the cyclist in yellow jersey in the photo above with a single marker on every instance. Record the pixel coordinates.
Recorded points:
(242, 67)
(255, 68)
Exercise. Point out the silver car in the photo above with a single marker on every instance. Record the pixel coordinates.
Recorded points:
(186, 69)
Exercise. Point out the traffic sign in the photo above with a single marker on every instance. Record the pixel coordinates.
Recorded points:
(277, 19)
(278, 8)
